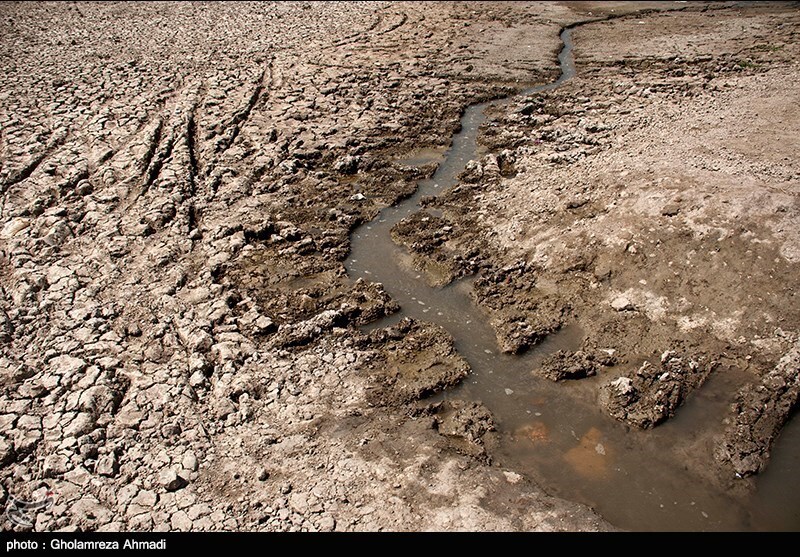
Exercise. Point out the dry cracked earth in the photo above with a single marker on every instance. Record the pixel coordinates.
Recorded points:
(182, 348)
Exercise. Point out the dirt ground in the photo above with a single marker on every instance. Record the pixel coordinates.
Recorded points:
(652, 200)
(181, 345)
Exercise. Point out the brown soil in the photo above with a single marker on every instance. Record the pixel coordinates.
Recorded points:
(181, 345)
(652, 200)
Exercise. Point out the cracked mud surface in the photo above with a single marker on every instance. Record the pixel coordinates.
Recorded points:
(181, 344)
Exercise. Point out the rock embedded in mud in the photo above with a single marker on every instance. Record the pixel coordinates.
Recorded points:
(189, 462)
(170, 480)
(107, 465)
(757, 416)
(622, 303)
(654, 393)
(296, 334)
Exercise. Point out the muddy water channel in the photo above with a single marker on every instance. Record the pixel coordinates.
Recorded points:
(556, 434)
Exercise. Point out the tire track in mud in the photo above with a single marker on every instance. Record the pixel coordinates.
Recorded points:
(64, 136)
(374, 29)
(56, 140)
(152, 161)
(355, 36)
(242, 115)
(395, 26)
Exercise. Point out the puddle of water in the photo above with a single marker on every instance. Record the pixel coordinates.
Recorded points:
(776, 504)
(556, 433)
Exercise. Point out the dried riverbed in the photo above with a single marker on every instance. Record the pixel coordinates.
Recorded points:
(186, 345)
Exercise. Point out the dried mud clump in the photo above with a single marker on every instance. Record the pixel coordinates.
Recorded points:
(520, 315)
(427, 238)
(416, 359)
(575, 365)
(655, 392)
(464, 424)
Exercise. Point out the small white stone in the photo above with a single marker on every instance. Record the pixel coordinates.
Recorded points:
(14, 226)
(189, 462)
(107, 465)
(623, 385)
(621, 303)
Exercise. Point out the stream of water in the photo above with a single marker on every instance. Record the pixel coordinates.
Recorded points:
(556, 434)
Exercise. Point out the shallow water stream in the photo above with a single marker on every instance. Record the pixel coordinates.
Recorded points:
(556, 434)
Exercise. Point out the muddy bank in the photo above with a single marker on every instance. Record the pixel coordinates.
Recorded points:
(651, 201)
(654, 393)
(757, 416)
